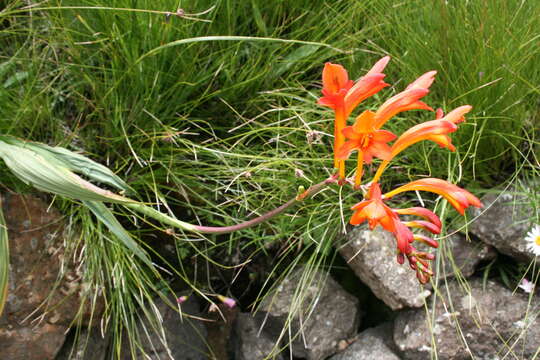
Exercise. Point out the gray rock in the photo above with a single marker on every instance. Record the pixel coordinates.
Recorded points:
(251, 340)
(495, 324)
(87, 344)
(40, 306)
(503, 223)
(183, 336)
(324, 315)
(375, 343)
(372, 257)
(464, 255)
(220, 331)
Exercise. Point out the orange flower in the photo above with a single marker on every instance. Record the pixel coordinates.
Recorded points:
(459, 198)
(339, 91)
(409, 99)
(432, 222)
(434, 130)
(377, 213)
(374, 211)
(369, 142)
(342, 95)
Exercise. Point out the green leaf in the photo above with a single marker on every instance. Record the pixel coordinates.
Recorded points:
(259, 21)
(15, 78)
(295, 56)
(45, 173)
(4, 260)
(106, 216)
(78, 163)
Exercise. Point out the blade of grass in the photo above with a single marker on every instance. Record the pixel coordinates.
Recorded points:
(106, 216)
(4, 260)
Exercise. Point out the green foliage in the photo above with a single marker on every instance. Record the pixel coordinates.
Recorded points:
(211, 114)
(486, 55)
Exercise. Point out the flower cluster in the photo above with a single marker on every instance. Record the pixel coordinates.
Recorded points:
(366, 137)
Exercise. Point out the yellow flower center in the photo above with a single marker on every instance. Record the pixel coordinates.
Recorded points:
(537, 240)
(366, 140)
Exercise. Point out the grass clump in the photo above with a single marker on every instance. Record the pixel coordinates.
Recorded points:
(216, 128)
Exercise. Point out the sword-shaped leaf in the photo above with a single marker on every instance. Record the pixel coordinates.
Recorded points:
(46, 174)
(107, 218)
(72, 161)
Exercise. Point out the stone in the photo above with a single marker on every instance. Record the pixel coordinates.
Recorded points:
(374, 343)
(494, 322)
(372, 257)
(86, 344)
(503, 223)
(183, 337)
(219, 328)
(464, 255)
(252, 340)
(324, 314)
(41, 304)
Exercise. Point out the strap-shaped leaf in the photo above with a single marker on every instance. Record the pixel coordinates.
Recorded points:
(4, 260)
(40, 171)
(72, 161)
(106, 216)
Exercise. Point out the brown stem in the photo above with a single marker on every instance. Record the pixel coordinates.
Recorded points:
(247, 224)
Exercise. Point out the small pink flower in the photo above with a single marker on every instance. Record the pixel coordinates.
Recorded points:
(227, 301)
(526, 286)
(181, 299)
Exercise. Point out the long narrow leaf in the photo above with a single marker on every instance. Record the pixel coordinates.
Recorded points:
(34, 169)
(106, 216)
(72, 161)
(4, 260)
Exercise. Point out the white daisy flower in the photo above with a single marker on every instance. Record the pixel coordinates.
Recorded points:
(533, 240)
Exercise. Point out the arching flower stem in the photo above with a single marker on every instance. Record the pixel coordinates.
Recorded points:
(151, 212)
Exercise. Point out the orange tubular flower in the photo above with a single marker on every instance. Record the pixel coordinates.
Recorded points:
(406, 100)
(369, 142)
(459, 198)
(434, 130)
(374, 211)
(377, 213)
(342, 95)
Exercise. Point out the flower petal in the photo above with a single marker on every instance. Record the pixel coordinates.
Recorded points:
(422, 212)
(404, 101)
(459, 198)
(365, 87)
(429, 130)
(379, 66)
(383, 136)
(379, 150)
(334, 78)
(364, 122)
(457, 115)
(423, 82)
(345, 150)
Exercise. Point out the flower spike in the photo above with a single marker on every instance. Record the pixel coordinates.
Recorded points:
(343, 95)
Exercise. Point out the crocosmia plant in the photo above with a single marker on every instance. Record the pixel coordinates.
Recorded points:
(54, 170)
(367, 138)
